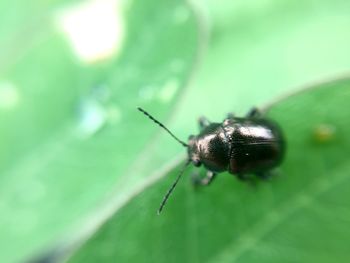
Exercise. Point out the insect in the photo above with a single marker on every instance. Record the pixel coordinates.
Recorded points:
(242, 146)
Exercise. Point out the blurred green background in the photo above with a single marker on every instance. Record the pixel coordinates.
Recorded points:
(82, 171)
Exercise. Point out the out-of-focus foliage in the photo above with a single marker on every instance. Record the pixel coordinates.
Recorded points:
(72, 74)
(74, 150)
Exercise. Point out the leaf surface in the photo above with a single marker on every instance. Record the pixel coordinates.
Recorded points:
(300, 215)
(72, 75)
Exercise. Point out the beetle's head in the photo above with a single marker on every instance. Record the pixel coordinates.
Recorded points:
(193, 151)
(210, 148)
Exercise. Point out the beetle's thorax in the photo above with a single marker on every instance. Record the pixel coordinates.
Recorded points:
(210, 147)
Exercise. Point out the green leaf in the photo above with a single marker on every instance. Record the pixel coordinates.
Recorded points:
(300, 215)
(73, 148)
(262, 49)
(72, 75)
(258, 50)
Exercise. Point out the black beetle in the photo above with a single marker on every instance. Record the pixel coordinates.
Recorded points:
(241, 146)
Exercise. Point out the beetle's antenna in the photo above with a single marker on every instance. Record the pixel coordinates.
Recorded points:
(166, 197)
(161, 125)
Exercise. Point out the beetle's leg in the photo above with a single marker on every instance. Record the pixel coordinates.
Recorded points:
(266, 175)
(243, 177)
(230, 115)
(203, 122)
(254, 112)
(247, 179)
(210, 176)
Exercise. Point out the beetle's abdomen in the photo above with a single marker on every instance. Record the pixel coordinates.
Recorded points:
(257, 146)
